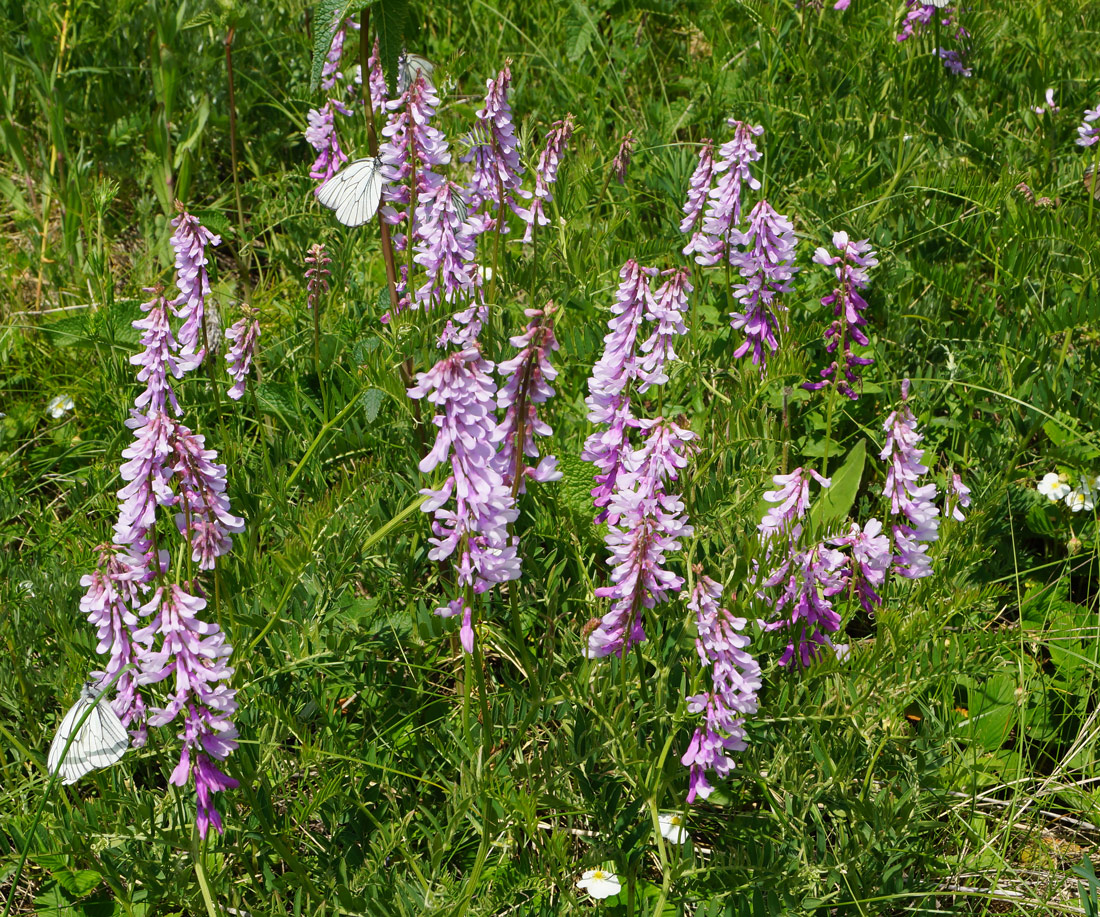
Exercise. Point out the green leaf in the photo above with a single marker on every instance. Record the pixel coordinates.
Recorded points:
(371, 400)
(991, 710)
(836, 501)
(391, 37)
(327, 15)
(581, 30)
(78, 882)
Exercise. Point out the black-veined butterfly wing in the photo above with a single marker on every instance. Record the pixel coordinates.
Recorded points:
(99, 742)
(354, 192)
(409, 67)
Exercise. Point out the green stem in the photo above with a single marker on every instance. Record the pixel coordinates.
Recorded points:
(243, 266)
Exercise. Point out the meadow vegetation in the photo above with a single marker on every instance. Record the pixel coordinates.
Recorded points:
(924, 738)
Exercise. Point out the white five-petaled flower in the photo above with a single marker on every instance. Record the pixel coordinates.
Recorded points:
(1082, 497)
(59, 406)
(599, 883)
(672, 827)
(1053, 487)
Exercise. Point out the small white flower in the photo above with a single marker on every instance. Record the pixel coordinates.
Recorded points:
(1081, 498)
(59, 406)
(1053, 486)
(485, 272)
(672, 828)
(599, 883)
(28, 588)
(842, 650)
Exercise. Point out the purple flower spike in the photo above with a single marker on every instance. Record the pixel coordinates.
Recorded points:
(498, 173)
(446, 247)
(735, 681)
(204, 517)
(243, 335)
(667, 308)
(112, 591)
(189, 242)
(1089, 130)
(546, 173)
(870, 560)
(317, 274)
(698, 189)
(413, 149)
(850, 268)
(529, 374)
(792, 501)
(724, 209)
(462, 390)
(766, 269)
(908, 499)
(608, 402)
(961, 494)
(321, 135)
(807, 582)
(195, 652)
(622, 158)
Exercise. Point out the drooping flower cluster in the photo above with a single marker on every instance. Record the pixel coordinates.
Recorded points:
(718, 234)
(920, 18)
(546, 174)
(734, 679)
(189, 242)
(645, 518)
(498, 172)
(317, 274)
(461, 388)
(850, 268)
(167, 465)
(413, 151)
(1088, 132)
(698, 190)
(446, 248)
(622, 157)
(243, 336)
(958, 499)
(529, 374)
(766, 266)
(321, 135)
(913, 502)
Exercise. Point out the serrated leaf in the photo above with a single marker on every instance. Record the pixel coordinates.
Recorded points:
(391, 38)
(214, 220)
(371, 400)
(836, 501)
(327, 15)
(582, 30)
(274, 398)
(78, 882)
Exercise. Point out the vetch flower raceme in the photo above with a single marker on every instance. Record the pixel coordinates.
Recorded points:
(243, 336)
(723, 214)
(622, 157)
(766, 266)
(189, 242)
(698, 189)
(734, 683)
(870, 560)
(1089, 130)
(461, 388)
(321, 135)
(498, 172)
(667, 308)
(546, 174)
(446, 248)
(850, 268)
(792, 500)
(908, 499)
(958, 499)
(1049, 106)
(317, 274)
(195, 652)
(412, 152)
(528, 374)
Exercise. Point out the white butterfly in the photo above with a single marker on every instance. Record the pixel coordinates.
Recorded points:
(939, 4)
(100, 742)
(354, 191)
(409, 67)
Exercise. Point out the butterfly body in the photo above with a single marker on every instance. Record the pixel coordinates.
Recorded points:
(99, 742)
(355, 191)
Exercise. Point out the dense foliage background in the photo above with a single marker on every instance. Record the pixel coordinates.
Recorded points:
(947, 765)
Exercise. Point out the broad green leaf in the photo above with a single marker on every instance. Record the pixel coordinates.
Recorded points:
(78, 882)
(327, 15)
(391, 16)
(371, 400)
(835, 502)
